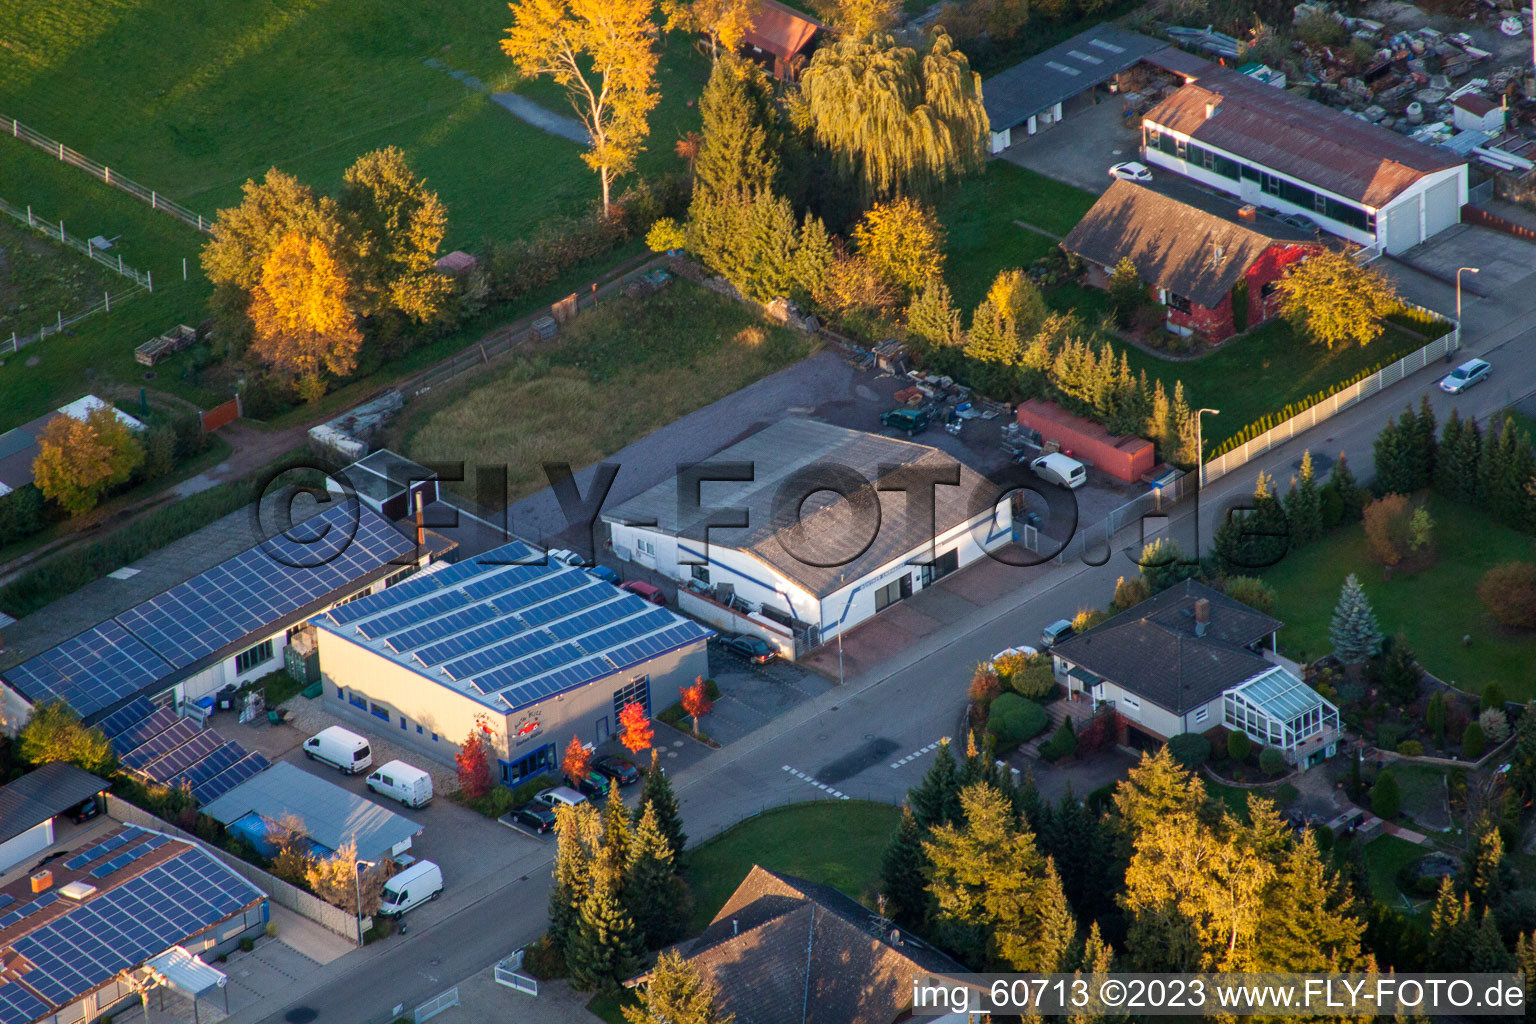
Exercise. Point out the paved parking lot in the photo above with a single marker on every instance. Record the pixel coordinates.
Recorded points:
(1503, 261)
(753, 695)
(1079, 150)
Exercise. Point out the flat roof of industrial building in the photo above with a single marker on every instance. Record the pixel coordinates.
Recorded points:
(508, 630)
(1087, 59)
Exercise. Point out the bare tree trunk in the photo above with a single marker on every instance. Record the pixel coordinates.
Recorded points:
(607, 181)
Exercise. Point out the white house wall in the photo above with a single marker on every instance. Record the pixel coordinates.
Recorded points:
(27, 845)
(754, 581)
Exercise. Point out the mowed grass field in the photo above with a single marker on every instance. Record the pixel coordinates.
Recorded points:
(620, 372)
(1436, 606)
(193, 99)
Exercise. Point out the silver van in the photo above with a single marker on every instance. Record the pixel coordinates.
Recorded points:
(406, 783)
(1061, 470)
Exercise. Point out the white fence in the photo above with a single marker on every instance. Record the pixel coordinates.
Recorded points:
(1220, 465)
(509, 973)
(436, 1005)
(1091, 536)
(143, 279)
(15, 343)
(57, 149)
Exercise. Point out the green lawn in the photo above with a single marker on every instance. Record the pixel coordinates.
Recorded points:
(1435, 606)
(1423, 794)
(834, 842)
(1385, 856)
(620, 372)
(42, 279)
(979, 215)
(1265, 370)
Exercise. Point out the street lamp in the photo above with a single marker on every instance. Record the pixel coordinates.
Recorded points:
(1200, 444)
(1459, 272)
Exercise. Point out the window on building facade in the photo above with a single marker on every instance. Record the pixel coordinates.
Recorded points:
(1178, 302)
(397, 577)
(637, 691)
(253, 656)
(379, 711)
(700, 573)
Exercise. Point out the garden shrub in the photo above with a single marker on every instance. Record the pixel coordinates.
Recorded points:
(1013, 720)
(1473, 742)
(1495, 725)
(1063, 742)
(1034, 680)
(1411, 748)
(1271, 761)
(1491, 697)
(1389, 735)
(1386, 800)
(1508, 594)
(1190, 749)
(1239, 746)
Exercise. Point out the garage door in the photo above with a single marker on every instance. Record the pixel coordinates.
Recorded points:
(1442, 207)
(1403, 226)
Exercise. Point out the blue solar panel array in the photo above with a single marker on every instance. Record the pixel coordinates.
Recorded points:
(142, 732)
(26, 910)
(128, 856)
(174, 752)
(104, 847)
(158, 746)
(131, 652)
(201, 745)
(207, 791)
(19, 1006)
(127, 924)
(517, 633)
(131, 714)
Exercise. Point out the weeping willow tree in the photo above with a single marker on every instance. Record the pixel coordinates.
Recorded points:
(898, 121)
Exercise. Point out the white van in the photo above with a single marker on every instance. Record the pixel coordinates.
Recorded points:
(415, 885)
(339, 748)
(406, 783)
(1061, 470)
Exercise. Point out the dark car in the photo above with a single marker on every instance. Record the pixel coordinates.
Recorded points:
(532, 816)
(592, 786)
(618, 769)
(85, 810)
(909, 421)
(603, 573)
(754, 649)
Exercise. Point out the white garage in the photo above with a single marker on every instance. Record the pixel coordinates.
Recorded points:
(29, 805)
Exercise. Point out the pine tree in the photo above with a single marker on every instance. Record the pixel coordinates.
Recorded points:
(577, 834)
(932, 318)
(1395, 463)
(1354, 632)
(992, 338)
(657, 793)
(737, 158)
(1159, 426)
(614, 857)
(656, 898)
(1450, 929)
(1054, 941)
(1488, 954)
(1468, 456)
(1483, 871)
(1352, 497)
(771, 235)
(1256, 540)
(1425, 446)
(1525, 963)
(1158, 787)
(1093, 967)
(1309, 921)
(676, 993)
(813, 259)
(903, 875)
(606, 948)
(1447, 466)
(1303, 506)
(936, 800)
(1188, 453)
(1490, 467)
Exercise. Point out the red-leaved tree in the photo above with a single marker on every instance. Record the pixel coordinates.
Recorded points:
(696, 701)
(635, 729)
(577, 760)
(473, 764)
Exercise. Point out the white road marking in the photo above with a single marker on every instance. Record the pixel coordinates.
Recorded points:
(806, 778)
(930, 748)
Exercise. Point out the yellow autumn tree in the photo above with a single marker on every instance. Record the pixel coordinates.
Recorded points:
(80, 460)
(302, 314)
(904, 241)
(725, 22)
(600, 52)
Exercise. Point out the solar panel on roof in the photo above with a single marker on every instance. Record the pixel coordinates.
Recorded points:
(106, 846)
(564, 678)
(500, 581)
(18, 1005)
(132, 713)
(245, 768)
(416, 586)
(90, 671)
(567, 604)
(138, 734)
(598, 616)
(650, 646)
(457, 646)
(176, 761)
(488, 658)
(442, 626)
(412, 614)
(158, 746)
(623, 632)
(219, 760)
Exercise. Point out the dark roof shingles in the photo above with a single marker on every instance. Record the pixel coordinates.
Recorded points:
(41, 794)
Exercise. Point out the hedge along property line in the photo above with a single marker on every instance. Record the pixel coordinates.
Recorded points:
(284, 894)
(1497, 753)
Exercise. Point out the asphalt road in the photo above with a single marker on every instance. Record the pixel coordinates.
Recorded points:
(854, 737)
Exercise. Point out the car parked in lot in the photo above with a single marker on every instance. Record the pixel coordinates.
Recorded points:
(650, 593)
(592, 785)
(1061, 470)
(556, 797)
(1131, 170)
(564, 556)
(1473, 371)
(753, 648)
(617, 769)
(909, 421)
(533, 816)
(603, 573)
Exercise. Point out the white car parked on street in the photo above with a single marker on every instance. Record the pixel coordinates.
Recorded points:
(1131, 170)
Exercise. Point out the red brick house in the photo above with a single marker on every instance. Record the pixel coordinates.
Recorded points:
(1196, 250)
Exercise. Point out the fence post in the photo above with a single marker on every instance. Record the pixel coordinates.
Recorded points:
(184, 263)
(150, 275)
(106, 297)
(106, 175)
(154, 202)
(61, 151)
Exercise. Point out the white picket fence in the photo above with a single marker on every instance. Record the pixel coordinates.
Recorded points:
(436, 1005)
(1220, 465)
(509, 973)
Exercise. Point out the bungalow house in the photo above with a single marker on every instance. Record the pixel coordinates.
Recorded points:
(786, 951)
(781, 38)
(1190, 659)
(1200, 252)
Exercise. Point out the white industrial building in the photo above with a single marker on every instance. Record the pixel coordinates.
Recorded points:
(1279, 151)
(824, 538)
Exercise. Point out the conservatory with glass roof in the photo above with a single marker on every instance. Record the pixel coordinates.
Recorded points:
(1279, 710)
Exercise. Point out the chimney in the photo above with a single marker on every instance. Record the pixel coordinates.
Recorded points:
(421, 533)
(1202, 615)
(1248, 212)
(42, 881)
(1211, 106)
(734, 930)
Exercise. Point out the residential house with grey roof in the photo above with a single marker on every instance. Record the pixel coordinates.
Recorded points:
(811, 527)
(1190, 659)
(1214, 262)
(786, 951)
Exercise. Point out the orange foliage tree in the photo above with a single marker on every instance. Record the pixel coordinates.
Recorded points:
(696, 701)
(80, 460)
(301, 311)
(635, 729)
(473, 765)
(577, 760)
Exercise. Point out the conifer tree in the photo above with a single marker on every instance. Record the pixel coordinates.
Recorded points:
(1525, 963)
(1156, 788)
(676, 993)
(771, 242)
(1352, 497)
(1396, 470)
(1160, 426)
(657, 793)
(1490, 467)
(992, 338)
(1425, 444)
(1188, 433)
(1309, 921)
(738, 157)
(932, 318)
(1303, 506)
(813, 258)
(1054, 941)
(1258, 539)
(606, 947)
(936, 800)
(1483, 872)
(903, 880)
(1354, 632)
(1451, 929)
(656, 898)
(1487, 953)
(617, 829)
(1094, 966)
(577, 834)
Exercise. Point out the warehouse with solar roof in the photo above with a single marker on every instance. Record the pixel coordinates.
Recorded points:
(531, 653)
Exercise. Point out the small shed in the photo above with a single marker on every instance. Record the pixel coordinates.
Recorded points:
(29, 805)
(456, 263)
(1475, 112)
(781, 37)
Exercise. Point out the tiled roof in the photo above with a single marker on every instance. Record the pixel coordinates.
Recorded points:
(1180, 238)
(1153, 650)
(1297, 137)
(780, 30)
(786, 951)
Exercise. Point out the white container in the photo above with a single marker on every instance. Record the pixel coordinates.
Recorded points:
(417, 884)
(406, 783)
(341, 749)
